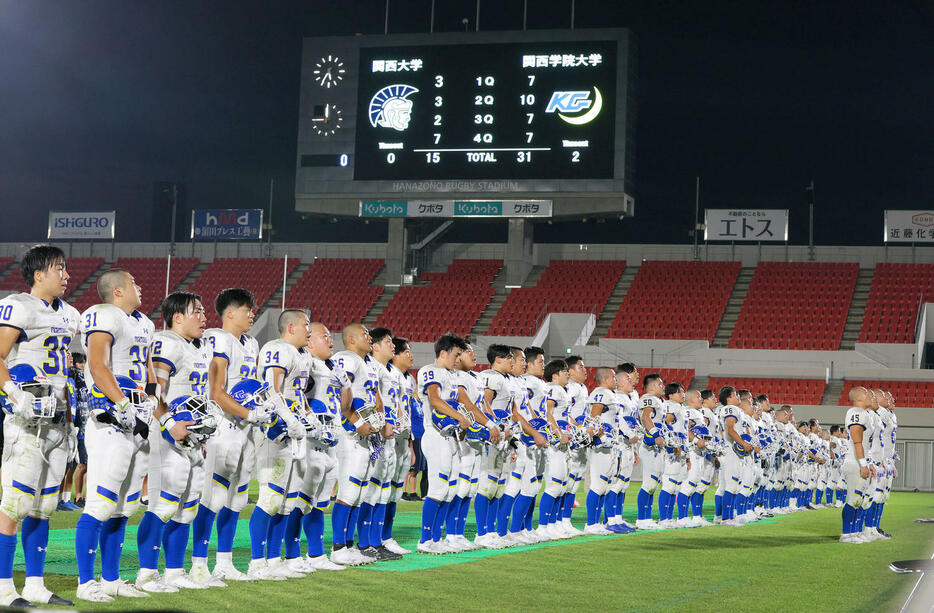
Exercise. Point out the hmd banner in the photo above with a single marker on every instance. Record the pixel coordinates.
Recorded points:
(226, 224)
(75, 225)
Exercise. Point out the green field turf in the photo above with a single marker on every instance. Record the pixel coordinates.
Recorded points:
(789, 563)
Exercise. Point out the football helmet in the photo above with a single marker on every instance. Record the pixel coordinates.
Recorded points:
(134, 392)
(739, 448)
(256, 396)
(32, 380)
(200, 410)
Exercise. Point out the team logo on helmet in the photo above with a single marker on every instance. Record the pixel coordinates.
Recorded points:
(391, 107)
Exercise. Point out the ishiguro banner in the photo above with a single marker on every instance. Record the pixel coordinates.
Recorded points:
(91, 225)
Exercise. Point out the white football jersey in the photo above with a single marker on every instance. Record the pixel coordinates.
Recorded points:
(654, 404)
(520, 396)
(676, 410)
(45, 332)
(888, 432)
(535, 387)
(296, 363)
(327, 381)
(579, 395)
(364, 378)
(607, 398)
(502, 391)
(876, 442)
(562, 400)
(429, 375)
(406, 382)
(131, 337)
(736, 413)
(389, 389)
(240, 354)
(858, 417)
(187, 362)
(473, 387)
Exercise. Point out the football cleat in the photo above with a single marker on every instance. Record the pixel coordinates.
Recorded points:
(395, 547)
(260, 571)
(277, 567)
(569, 528)
(149, 580)
(646, 524)
(226, 571)
(428, 547)
(597, 529)
(92, 592)
(180, 579)
(120, 587)
(299, 565)
(323, 563)
(200, 574)
(39, 594)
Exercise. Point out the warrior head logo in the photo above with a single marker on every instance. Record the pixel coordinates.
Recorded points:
(391, 107)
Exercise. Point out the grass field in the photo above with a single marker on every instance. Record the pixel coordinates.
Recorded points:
(789, 563)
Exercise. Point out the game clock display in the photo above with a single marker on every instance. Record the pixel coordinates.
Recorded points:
(491, 111)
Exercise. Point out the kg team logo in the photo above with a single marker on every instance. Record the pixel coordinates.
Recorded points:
(576, 107)
(391, 107)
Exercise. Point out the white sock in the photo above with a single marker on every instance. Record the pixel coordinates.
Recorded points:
(35, 583)
(198, 561)
(66, 497)
(225, 556)
(6, 585)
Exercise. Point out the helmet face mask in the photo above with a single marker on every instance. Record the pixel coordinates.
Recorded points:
(44, 404)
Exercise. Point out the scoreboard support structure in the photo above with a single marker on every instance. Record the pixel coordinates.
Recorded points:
(512, 127)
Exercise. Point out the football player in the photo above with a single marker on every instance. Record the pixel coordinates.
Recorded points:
(470, 394)
(380, 488)
(402, 431)
(117, 337)
(36, 329)
(601, 419)
(675, 469)
(231, 454)
(329, 394)
(697, 451)
(743, 503)
(577, 458)
(557, 403)
(437, 391)
(532, 421)
(284, 364)
(180, 359)
(856, 466)
(515, 465)
(497, 401)
(652, 449)
(875, 444)
(630, 435)
(889, 433)
(731, 462)
(359, 442)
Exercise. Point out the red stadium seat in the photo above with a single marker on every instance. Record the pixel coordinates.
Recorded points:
(337, 291)
(779, 391)
(896, 293)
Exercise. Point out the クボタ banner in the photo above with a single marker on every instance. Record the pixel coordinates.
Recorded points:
(226, 224)
(909, 227)
(455, 208)
(751, 225)
(90, 225)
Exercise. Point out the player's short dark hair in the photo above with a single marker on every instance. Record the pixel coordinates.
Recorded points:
(532, 353)
(378, 334)
(447, 342)
(108, 281)
(725, 392)
(673, 388)
(235, 297)
(177, 303)
(38, 259)
(707, 394)
(516, 351)
(289, 316)
(572, 360)
(744, 394)
(553, 367)
(497, 350)
(813, 422)
(762, 398)
(650, 378)
(603, 373)
(835, 428)
(79, 357)
(626, 367)
(399, 344)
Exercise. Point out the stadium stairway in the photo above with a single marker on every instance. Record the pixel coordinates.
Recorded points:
(854, 317)
(701, 383)
(275, 301)
(613, 305)
(500, 291)
(733, 306)
(832, 392)
(89, 281)
(196, 272)
(389, 292)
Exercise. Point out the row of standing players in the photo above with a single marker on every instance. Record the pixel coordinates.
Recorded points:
(201, 412)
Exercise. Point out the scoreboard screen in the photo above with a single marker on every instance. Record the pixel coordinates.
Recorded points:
(529, 110)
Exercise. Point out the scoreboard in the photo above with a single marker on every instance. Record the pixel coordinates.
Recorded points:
(465, 115)
(511, 110)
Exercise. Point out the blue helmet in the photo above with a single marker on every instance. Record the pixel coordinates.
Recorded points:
(133, 391)
(700, 432)
(446, 425)
(34, 381)
(476, 432)
(540, 425)
(198, 410)
(251, 394)
(739, 448)
(631, 422)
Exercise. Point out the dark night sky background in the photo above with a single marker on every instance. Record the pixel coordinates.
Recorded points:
(101, 98)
